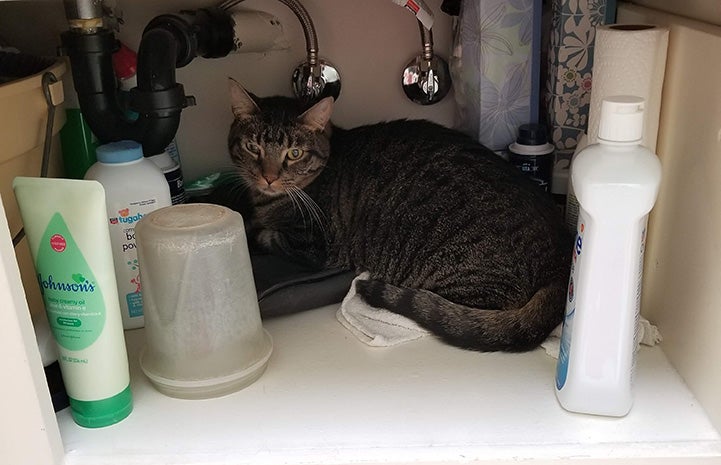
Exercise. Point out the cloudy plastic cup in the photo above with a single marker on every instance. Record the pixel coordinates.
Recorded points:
(204, 335)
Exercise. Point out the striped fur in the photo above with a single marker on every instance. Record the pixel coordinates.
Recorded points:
(453, 236)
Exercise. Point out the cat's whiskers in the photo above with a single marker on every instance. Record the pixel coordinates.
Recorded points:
(313, 209)
(287, 187)
(235, 183)
(234, 174)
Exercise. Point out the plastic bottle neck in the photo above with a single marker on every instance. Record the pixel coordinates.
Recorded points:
(615, 143)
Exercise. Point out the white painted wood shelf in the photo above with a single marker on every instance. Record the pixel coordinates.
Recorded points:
(326, 398)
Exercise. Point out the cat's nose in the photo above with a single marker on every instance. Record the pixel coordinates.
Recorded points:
(270, 178)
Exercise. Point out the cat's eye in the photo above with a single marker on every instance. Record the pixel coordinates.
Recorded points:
(252, 147)
(294, 154)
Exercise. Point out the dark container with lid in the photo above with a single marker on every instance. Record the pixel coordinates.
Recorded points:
(533, 155)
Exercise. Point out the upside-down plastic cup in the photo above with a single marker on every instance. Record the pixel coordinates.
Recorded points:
(204, 335)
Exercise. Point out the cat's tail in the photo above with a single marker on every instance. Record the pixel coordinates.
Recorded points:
(511, 330)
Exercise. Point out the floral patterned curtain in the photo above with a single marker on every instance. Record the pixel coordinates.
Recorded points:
(495, 73)
(492, 68)
(567, 92)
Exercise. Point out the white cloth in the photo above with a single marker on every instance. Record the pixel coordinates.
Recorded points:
(376, 327)
(649, 336)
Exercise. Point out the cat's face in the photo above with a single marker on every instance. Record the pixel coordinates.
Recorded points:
(274, 146)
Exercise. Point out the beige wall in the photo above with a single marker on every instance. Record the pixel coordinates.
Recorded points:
(28, 428)
(708, 11)
(682, 291)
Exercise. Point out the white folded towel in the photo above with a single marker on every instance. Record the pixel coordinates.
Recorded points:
(649, 336)
(376, 327)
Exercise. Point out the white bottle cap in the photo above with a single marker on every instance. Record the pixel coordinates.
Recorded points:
(621, 119)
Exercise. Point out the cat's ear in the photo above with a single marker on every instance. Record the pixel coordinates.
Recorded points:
(241, 102)
(318, 116)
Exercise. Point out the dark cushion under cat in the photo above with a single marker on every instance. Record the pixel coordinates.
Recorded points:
(453, 236)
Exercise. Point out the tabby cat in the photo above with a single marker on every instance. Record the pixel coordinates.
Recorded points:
(453, 236)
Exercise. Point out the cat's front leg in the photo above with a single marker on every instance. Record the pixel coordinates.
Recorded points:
(269, 240)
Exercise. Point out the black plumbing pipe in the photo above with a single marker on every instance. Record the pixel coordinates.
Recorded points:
(94, 79)
(168, 42)
(158, 98)
(92, 67)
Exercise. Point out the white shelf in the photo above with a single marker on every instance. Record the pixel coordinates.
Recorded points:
(327, 398)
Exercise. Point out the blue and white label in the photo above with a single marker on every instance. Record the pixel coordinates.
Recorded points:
(565, 350)
(135, 304)
(566, 336)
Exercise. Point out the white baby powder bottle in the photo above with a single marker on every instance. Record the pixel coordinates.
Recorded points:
(616, 182)
(134, 186)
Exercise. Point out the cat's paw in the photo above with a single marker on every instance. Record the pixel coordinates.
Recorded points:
(267, 238)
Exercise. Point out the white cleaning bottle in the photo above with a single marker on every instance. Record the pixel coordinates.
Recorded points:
(134, 186)
(616, 182)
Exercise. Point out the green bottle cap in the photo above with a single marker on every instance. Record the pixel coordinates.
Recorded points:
(103, 412)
